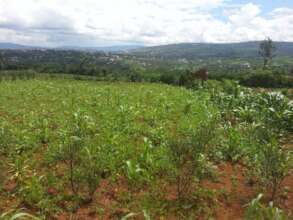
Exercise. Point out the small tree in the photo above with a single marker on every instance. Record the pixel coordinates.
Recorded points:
(85, 60)
(267, 51)
(2, 67)
(291, 70)
(185, 79)
(188, 146)
(274, 167)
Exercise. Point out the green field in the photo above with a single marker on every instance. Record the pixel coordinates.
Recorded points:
(93, 150)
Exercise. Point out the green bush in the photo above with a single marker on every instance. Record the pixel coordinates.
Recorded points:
(273, 165)
(189, 143)
(267, 79)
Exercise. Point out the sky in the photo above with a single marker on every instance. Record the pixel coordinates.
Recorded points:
(143, 22)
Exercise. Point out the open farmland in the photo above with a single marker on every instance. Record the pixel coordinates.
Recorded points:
(87, 150)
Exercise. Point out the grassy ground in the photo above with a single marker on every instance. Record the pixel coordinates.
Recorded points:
(92, 150)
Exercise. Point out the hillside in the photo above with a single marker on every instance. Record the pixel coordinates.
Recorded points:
(11, 46)
(74, 149)
(116, 48)
(175, 51)
(210, 50)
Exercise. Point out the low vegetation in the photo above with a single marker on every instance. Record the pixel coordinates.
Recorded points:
(124, 150)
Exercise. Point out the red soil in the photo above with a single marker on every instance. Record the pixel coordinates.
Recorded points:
(109, 200)
(231, 202)
(287, 203)
(106, 198)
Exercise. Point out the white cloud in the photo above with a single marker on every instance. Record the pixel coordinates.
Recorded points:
(244, 14)
(282, 12)
(151, 22)
(248, 24)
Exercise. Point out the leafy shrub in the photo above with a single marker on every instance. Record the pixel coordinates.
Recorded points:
(43, 131)
(234, 144)
(273, 164)
(272, 108)
(92, 170)
(276, 110)
(168, 78)
(6, 137)
(77, 148)
(134, 172)
(73, 144)
(33, 192)
(267, 79)
(72, 150)
(188, 144)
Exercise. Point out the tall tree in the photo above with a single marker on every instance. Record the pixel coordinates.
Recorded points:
(267, 50)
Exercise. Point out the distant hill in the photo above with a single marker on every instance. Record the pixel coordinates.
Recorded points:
(11, 46)
(210, 50)
(117, 48)
(176, 51)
